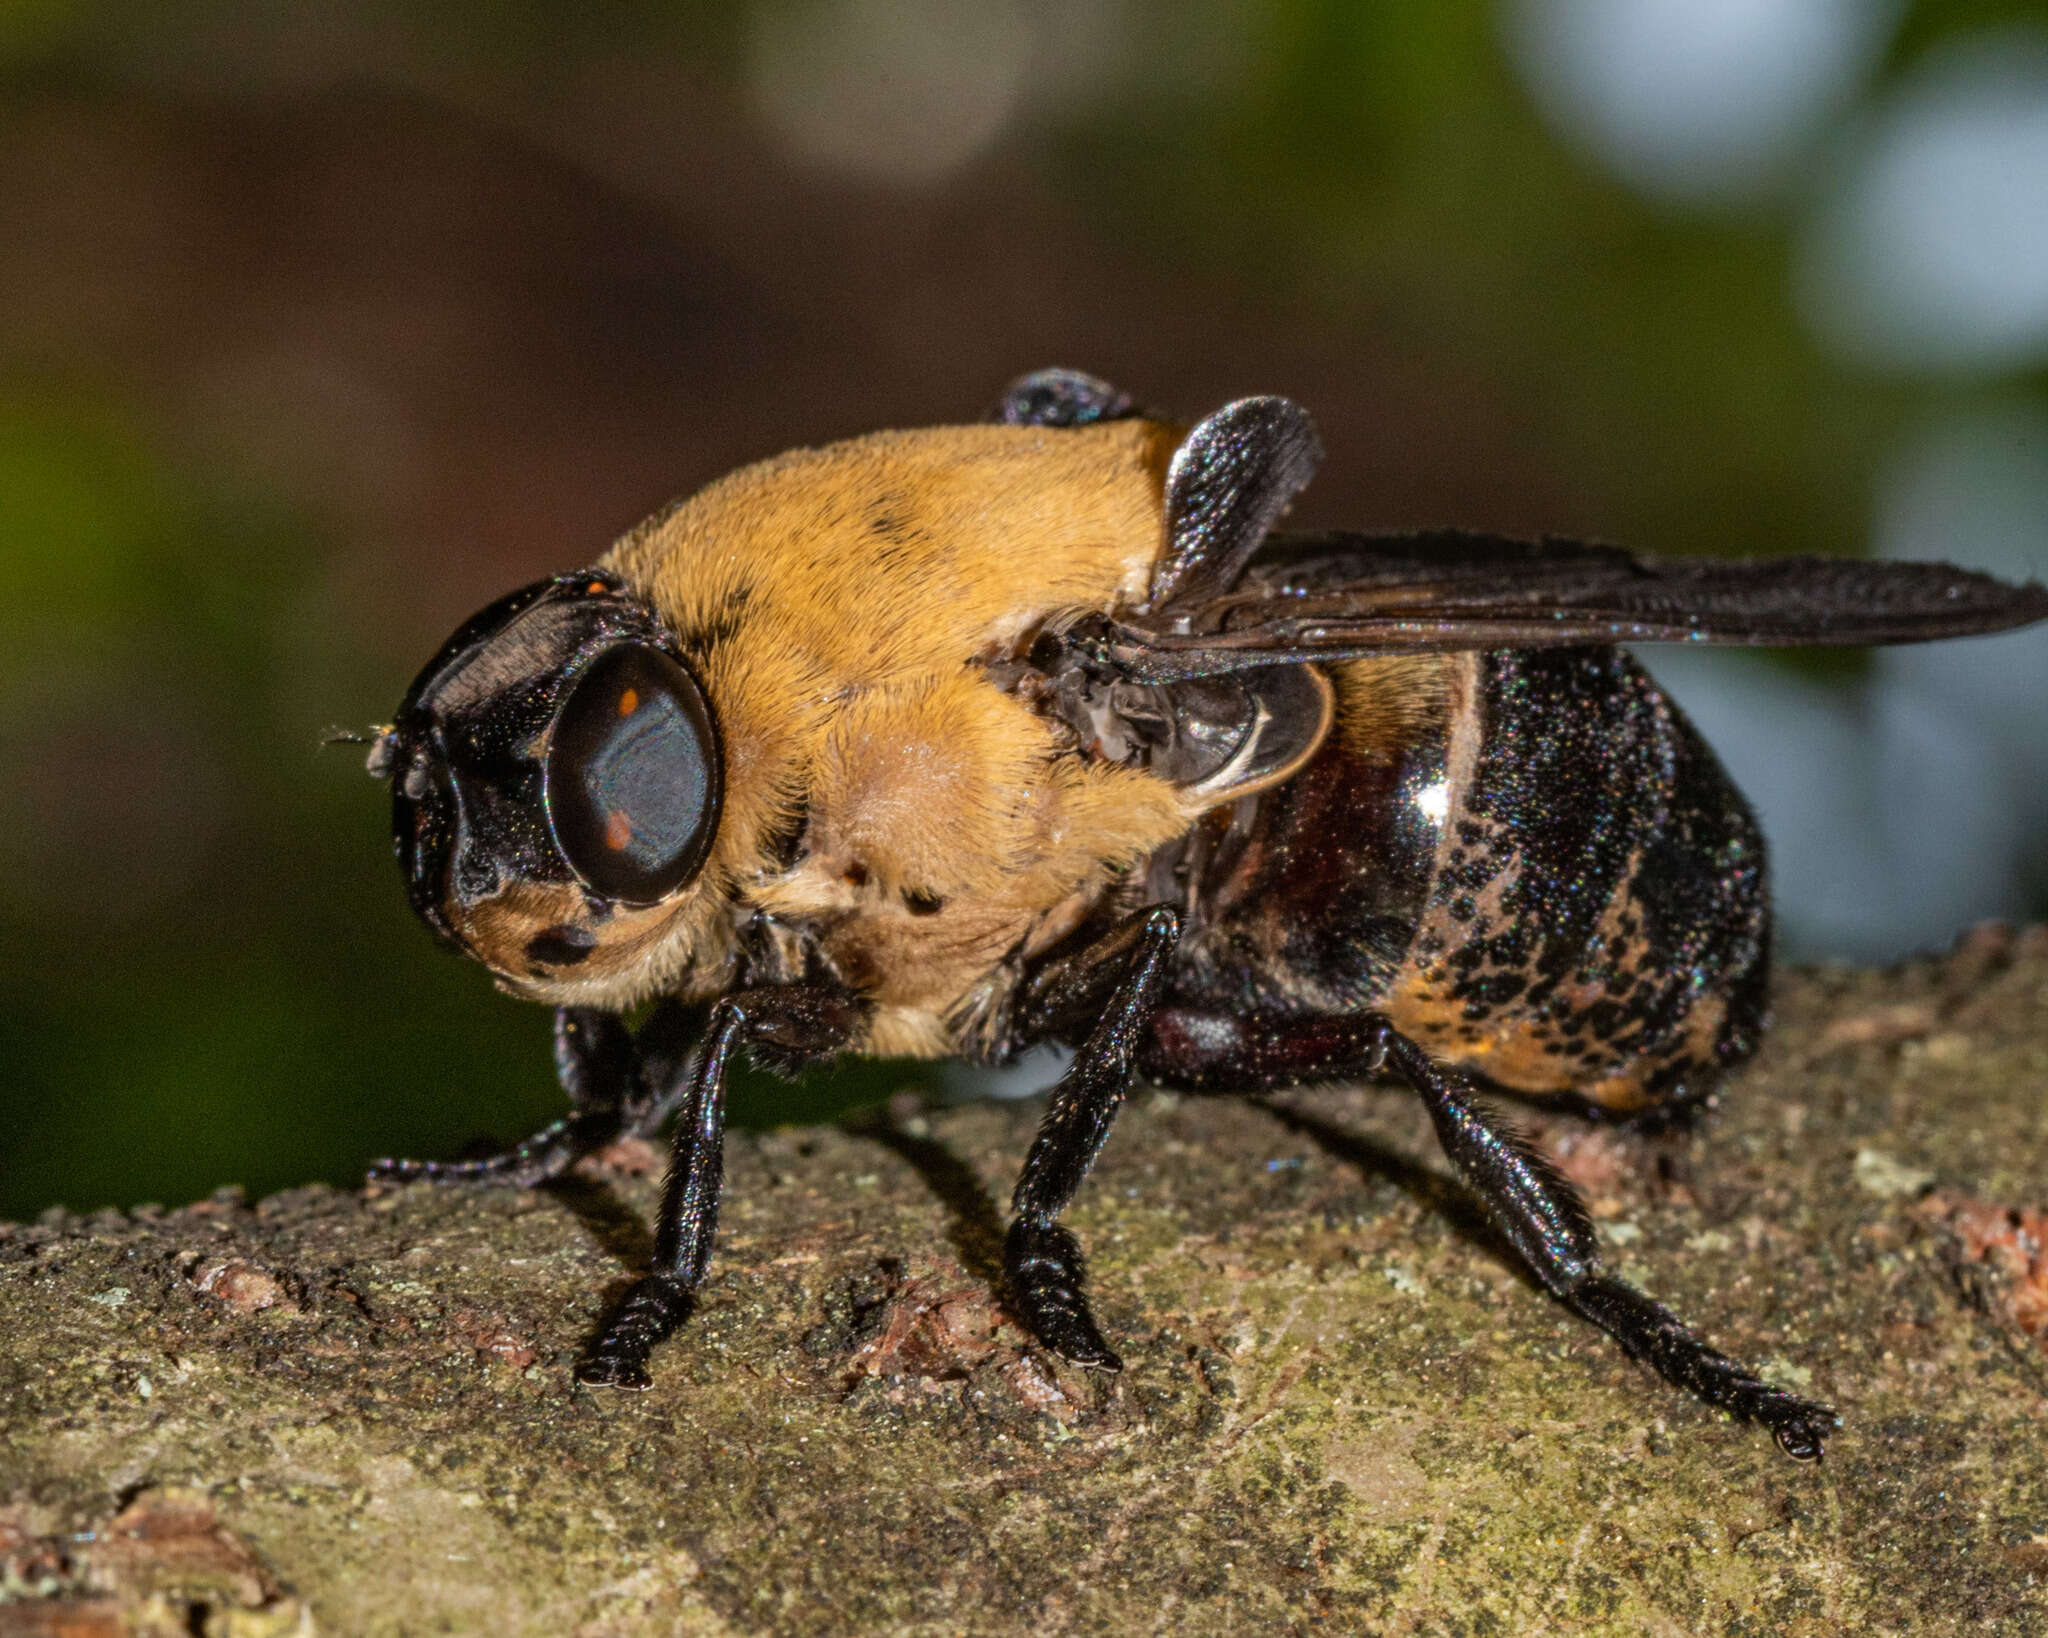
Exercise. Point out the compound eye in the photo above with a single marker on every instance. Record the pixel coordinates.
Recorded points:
(632, 777)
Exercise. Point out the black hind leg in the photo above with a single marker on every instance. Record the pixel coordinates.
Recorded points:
(1538, 1212)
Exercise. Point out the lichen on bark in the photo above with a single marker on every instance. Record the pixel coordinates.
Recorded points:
(1343, 1410)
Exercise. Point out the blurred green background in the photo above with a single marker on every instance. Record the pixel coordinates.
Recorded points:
(322, 324)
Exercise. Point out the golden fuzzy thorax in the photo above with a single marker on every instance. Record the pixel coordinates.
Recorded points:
(836, 605)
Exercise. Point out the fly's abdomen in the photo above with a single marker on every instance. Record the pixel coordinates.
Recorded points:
(1540, 873)
(1597, 921)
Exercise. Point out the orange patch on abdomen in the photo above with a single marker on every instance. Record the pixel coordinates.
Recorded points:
(1523, 1052)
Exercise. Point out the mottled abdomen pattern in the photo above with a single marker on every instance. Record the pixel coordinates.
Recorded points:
(1553, 884)
(1597, 923)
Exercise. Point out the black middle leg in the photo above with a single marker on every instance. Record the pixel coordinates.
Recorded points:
(1042, 1259)
(1538, 1211)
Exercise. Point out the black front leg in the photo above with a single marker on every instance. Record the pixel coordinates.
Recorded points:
(1043, 1260)
(619, 1085)
(1536, 1209)
(786, 1028)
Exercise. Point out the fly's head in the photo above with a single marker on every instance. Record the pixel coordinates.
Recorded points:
(556, 782)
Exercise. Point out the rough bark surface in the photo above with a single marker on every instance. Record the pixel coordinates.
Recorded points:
(1343, 1411)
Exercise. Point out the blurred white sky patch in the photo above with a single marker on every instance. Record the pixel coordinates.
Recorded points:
(1900, 810)
(1932, 251)
(1973, 489)
(1695, 101)
(906, 92)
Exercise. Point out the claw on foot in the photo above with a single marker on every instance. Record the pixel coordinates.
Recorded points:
(653, 1308)
(1044, 1263)
(604, 1371)
(1802, 1432)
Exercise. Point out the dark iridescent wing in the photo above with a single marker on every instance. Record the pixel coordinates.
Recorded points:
(1337, 596)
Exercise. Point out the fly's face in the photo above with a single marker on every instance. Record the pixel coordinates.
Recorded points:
(556, 783)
